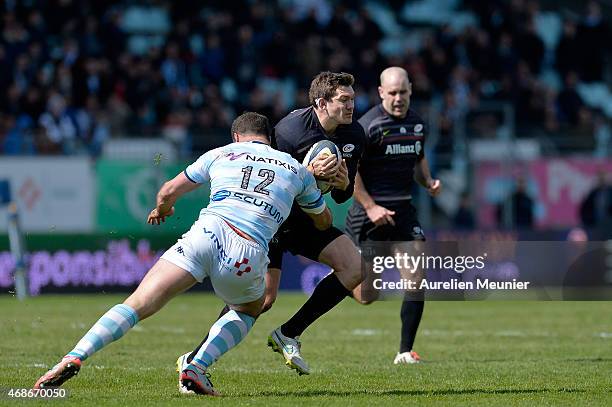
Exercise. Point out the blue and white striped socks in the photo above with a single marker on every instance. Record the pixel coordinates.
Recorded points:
(110, 327)
(226, 333)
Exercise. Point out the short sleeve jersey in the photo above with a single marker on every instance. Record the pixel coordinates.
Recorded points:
(393, 148)
(300, 129)
(253, 187)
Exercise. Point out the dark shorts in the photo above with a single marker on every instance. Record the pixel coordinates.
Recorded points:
(298, 235)
(407, 228)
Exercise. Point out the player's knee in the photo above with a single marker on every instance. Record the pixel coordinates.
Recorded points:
(254, 308)
(349, 266)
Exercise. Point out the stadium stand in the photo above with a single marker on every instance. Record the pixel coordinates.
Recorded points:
(86, 78)
(181, 71)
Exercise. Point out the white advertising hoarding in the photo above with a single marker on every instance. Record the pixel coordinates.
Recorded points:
(53, 194)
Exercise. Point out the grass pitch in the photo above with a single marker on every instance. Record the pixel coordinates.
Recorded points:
(475, 353)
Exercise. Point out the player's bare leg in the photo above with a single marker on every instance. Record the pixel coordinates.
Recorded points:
(344, 258)
(365, 293)
(164, 281)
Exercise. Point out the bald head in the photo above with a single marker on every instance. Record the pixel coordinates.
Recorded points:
(395, 90)
(393, 74)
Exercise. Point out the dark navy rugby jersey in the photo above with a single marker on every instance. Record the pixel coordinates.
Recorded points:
(300, 129)
(392, 150)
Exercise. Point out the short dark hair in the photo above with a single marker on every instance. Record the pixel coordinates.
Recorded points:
(251, 123)
(324, 85)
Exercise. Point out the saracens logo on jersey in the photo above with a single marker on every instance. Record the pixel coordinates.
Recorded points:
(347, 150)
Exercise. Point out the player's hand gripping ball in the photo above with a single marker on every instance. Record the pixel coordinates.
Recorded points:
(323, 149)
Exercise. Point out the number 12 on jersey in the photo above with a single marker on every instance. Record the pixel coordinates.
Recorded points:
(261, 187)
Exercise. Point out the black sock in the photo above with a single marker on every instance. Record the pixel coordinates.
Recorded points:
(411, 313)
(326, 295)
(224, 311)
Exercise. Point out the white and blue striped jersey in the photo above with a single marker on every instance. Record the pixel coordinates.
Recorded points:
(253, 187)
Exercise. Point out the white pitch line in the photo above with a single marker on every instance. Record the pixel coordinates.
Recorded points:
(366, 332)
(41, 365)
(511, 333)
(170, 329)
(77, 325)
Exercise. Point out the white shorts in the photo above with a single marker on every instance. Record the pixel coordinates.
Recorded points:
(236, 266)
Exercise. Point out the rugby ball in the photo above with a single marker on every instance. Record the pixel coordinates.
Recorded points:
(322, 148)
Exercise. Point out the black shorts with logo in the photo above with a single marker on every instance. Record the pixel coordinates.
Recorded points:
(407, 228)
(298, 235)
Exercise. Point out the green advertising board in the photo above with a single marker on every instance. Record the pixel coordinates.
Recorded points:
(126, 194)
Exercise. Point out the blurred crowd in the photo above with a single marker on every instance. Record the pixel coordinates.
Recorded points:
(76, 73)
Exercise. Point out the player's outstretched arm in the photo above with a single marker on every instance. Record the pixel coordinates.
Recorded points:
(167, 196)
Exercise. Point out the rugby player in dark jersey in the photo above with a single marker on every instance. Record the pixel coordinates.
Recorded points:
(330, 117)
(393, 158)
